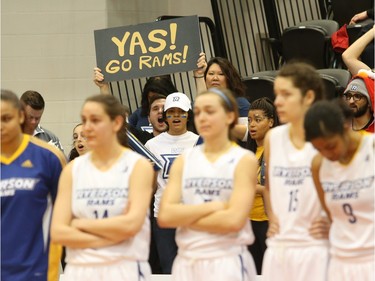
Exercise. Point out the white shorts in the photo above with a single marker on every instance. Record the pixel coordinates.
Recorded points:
(295, 263)
(348, 270)
(234, 268)
(124, 270)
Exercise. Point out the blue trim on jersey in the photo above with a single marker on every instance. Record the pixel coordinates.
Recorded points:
(243, 268)
(137, 146)
(140, 273)
(199, 141)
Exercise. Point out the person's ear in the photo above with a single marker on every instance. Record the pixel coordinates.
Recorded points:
(270, 122)
(22, 117)
(309, 97)
(118, 122)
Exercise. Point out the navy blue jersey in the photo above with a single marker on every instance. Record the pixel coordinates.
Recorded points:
(29, 180)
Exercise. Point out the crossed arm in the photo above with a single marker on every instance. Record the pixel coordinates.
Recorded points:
(215, 216)
(95, 233)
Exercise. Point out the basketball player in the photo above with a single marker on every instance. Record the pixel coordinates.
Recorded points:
(343, 173)
(30, 170)
(209, 195)
(295, 252)
(101, 208)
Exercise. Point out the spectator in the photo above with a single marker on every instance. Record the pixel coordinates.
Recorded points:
(352, 55)
(166, 147)
(359, 95)
(368, 14)
(220, 73)
(79, 142)
(161, 85)
(262, 117)
(33, 106)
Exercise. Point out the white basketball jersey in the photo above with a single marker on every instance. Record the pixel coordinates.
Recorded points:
(203, 181)
(294, 198)
(166, 148)
(349, 196)
(100, 194)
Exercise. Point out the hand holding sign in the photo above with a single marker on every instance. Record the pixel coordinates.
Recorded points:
(150, 49)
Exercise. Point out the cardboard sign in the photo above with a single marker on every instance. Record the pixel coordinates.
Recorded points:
(148, 49)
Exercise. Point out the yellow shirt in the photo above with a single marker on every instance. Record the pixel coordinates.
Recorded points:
(258, 213)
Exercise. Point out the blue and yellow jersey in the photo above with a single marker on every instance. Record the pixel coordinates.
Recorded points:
(29, 180)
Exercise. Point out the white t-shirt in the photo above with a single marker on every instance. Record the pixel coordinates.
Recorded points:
(166, 148)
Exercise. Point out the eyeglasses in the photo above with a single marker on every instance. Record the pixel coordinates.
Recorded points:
(348, 96)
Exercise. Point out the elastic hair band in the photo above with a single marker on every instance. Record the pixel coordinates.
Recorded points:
(223, 96)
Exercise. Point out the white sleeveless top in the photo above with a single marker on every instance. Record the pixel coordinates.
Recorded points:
(204, 181)
(100, 194)
(349, 196)
(294, 198)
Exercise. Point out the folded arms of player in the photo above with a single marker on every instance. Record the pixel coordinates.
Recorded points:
(231, 216)
(83, 233)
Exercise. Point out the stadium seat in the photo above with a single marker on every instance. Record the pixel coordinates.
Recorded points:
(260, 85)
(309, 41)
(335, 80)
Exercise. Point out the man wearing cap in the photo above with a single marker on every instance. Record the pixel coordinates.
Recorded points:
(359, 95)
(166, 147)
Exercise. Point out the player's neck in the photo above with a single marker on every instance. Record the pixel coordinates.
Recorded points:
(216, 145)
(213, 150)
(353, 141)
(8, 149)
(297, 135)
(104, 158)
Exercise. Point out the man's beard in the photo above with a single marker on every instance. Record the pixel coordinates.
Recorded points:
(361, 111)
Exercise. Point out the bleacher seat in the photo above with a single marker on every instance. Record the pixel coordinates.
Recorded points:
(260, 85)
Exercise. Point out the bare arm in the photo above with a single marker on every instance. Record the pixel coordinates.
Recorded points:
(200, 82)
(172, 212)
(273, 225)
(235, 216)
(320, 226)
(352, 54)
(99, 81)
(129, 223)
(359, 17)
(62, 232)
(240, 131)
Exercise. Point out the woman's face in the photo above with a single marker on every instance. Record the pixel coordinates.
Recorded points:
(11, 120)
(98, 128)
(79, 140)
(210, 117)
(290, 105)
(215, 77)
(333, 148)
(258, 124)
(177, 120)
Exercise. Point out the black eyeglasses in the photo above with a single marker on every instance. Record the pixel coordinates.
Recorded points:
(348, 96)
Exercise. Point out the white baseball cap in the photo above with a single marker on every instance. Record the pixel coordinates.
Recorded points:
(179, 100)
